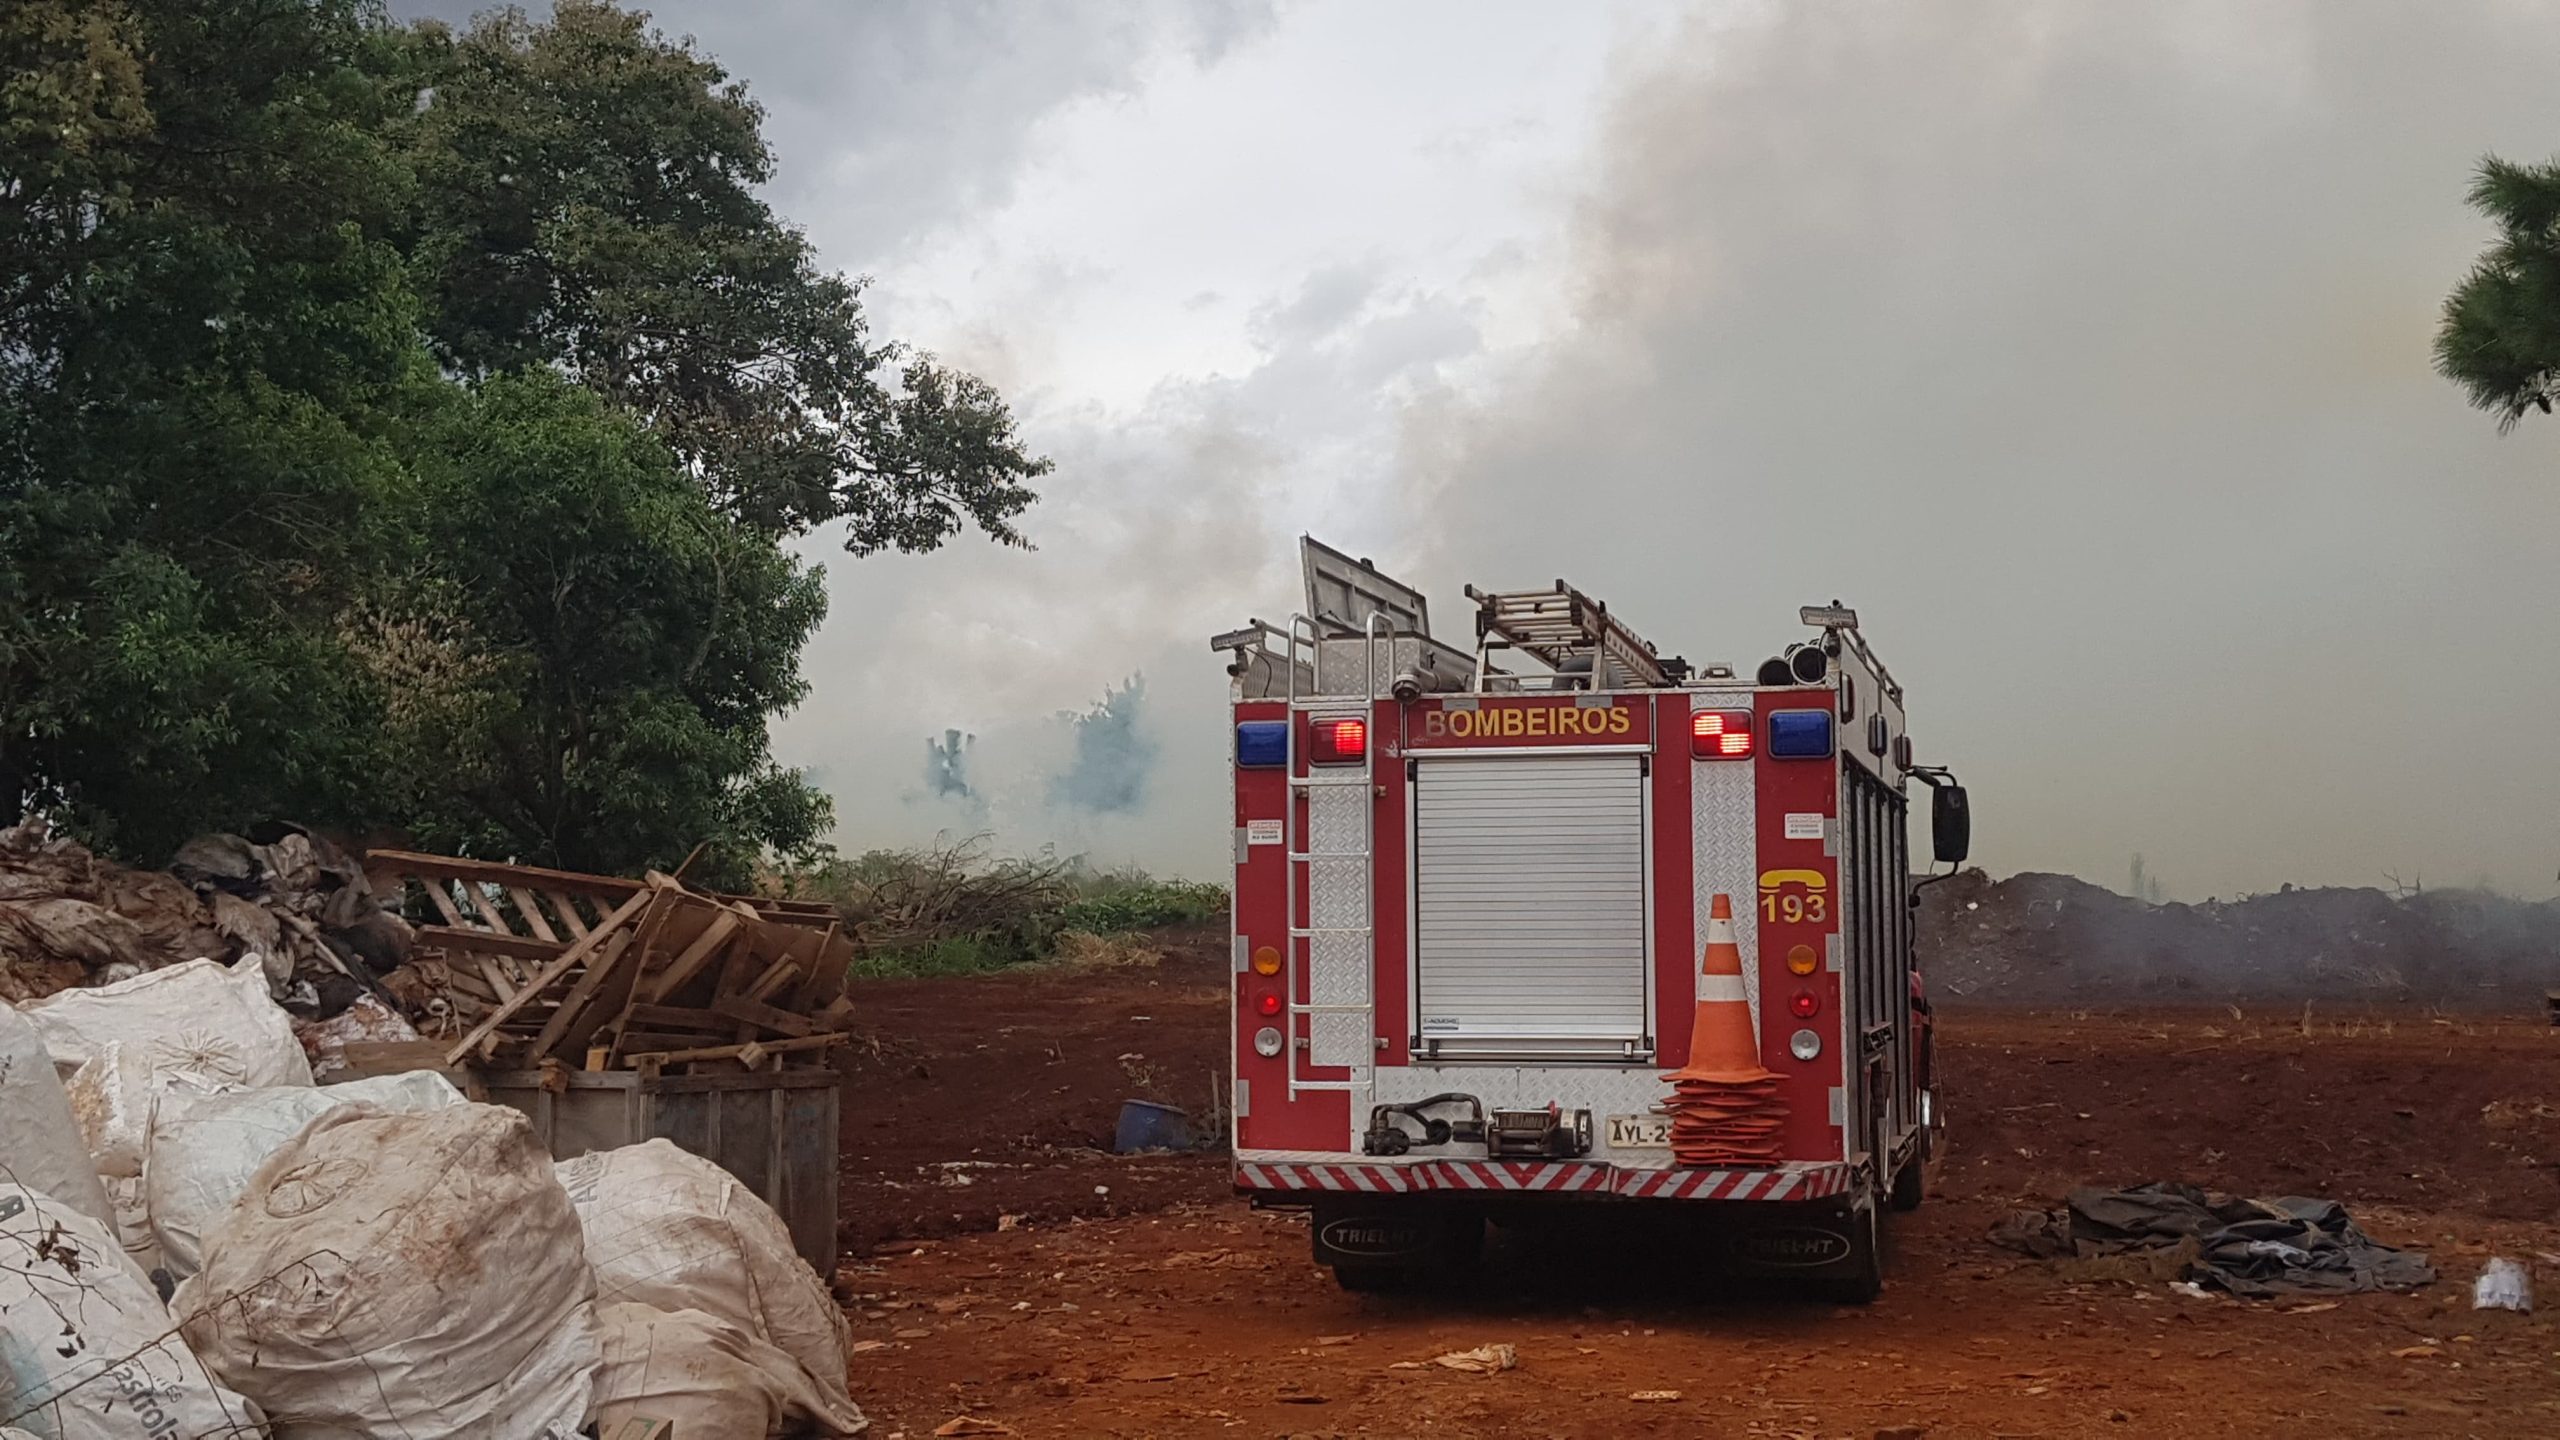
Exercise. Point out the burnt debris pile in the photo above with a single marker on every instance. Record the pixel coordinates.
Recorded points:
(2039, 939)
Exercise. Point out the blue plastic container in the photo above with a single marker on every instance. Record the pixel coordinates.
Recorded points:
(1145, 1125)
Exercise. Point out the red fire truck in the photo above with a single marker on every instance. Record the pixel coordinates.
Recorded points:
(1473, 889)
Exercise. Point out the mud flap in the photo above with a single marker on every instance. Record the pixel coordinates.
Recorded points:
(1395, 1233)
(1838, 1249)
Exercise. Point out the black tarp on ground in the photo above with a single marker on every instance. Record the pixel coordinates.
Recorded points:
(2252, 1248)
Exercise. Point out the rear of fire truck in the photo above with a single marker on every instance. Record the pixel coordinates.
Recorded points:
(1549, 920)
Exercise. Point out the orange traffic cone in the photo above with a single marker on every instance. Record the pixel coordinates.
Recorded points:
(1725, 1108)
(1721, 1045)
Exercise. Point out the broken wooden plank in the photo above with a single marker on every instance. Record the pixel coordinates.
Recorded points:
(532, 913)
(567, 960)
(470, 941)
(772, 981)
(661, 1041)
(439, 897)
(448, 867)
(469, 984)
(368, 1058)
(757, 1013)
(488, 912)
(612, 997)
(814, 986)
(504, 988)
(583, 993)
(732, 1052)
(689, 964)
(567, 909)
(675, 1017)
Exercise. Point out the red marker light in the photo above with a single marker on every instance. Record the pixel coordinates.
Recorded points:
(1268, 1004)
(1340, 742)
(1804, 1006)
(1720, 734)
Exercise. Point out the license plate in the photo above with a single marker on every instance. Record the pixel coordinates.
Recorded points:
(1639, 1132)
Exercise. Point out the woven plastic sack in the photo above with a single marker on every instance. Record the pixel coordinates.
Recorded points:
(709, 1377)
(86, 1348)
(41, 1146)
(413, 1274)
(204, 1148)
(669, 1229)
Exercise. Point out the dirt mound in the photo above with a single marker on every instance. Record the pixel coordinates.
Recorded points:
(2037, 939)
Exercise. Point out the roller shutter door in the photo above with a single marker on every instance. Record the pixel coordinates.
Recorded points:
(1530, 929)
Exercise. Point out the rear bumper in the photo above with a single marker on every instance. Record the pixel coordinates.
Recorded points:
(1594, 1179)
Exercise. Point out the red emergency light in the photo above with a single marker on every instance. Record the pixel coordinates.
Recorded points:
(1339, 742)
(1720, 734)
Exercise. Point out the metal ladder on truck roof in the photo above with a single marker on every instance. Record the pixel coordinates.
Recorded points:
(1562, 624)
(1305, 787)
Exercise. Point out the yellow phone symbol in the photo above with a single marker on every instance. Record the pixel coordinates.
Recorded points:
(1807, 905)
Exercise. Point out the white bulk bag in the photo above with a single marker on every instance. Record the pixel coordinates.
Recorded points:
(210, 1021)
(40, 1144)
(414, 1274)
(708, 1376)
(86, 1348)
(669, 1229)
(204, 1148)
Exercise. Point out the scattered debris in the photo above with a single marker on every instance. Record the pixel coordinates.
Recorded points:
(1655, 1397)
(1482, 1360)
(971, 1425)
(2251, 1248)
(2503, 1285)
(504, 965)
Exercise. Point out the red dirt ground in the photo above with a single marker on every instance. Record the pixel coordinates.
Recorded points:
(1163, 1307)
(997, 1094)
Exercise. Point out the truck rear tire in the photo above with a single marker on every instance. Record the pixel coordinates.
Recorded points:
(1911, 1182)
(1864, 1280)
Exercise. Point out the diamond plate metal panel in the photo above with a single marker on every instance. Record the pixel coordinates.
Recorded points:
(1604, 1090)
(1338, 965)
(1725, 844)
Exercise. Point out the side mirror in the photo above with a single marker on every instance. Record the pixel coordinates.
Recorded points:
(1950, 824)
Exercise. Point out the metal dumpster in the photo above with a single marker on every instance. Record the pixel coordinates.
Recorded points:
(776, 1132)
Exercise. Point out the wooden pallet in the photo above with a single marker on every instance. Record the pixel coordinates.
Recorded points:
(595, 972)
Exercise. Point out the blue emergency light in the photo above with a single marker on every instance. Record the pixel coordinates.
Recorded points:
(1262, 744)
(1800, 735)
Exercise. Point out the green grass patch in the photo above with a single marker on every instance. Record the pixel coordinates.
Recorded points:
(1118, 902)
(952, 910)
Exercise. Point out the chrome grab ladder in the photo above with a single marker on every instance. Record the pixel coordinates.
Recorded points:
(1303, 932)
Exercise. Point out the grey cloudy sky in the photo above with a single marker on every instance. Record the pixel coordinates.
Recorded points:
(2082, 347)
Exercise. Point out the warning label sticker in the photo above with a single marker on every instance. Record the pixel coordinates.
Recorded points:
(1262, 832)
(1804, 827)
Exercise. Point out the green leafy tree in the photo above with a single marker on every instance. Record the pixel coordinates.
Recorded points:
(2500, 337)
(587, 677)
(587, 202)
(202, 327)
(400, 431)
